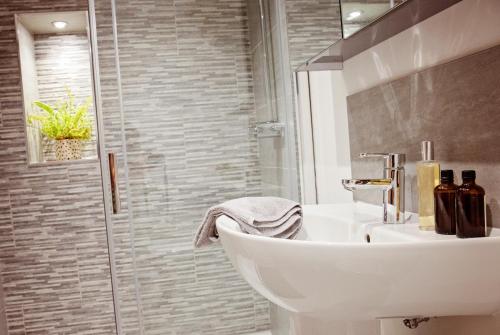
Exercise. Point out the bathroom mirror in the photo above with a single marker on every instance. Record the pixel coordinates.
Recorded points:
(357, 14)
(57, 85)
(363, 31)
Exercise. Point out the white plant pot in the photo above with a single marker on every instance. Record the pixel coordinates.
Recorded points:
(68, 149)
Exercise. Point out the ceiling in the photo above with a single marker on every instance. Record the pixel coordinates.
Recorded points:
(41, 23)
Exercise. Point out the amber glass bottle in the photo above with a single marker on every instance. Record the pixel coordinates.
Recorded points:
(471, 221)
(445, 195)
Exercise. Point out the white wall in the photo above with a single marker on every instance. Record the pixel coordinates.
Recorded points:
(331, 137)
(325, 155)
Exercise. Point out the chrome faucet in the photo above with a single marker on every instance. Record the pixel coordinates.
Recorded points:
(393, 185)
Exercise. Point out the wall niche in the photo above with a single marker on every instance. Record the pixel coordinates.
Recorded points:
(58, 90)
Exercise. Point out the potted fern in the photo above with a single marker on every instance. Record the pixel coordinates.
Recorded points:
(66, 123)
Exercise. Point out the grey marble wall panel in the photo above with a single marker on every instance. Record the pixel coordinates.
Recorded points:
(454, 104)
(53, 249)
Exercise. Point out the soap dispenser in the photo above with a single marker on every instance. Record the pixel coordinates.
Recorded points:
(427, 180)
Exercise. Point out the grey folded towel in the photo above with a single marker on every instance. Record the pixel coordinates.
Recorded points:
(265, 216)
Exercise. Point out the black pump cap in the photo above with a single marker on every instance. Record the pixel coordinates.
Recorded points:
(468, 174)
(447, 176)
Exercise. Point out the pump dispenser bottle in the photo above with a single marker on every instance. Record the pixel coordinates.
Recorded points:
(427, 180)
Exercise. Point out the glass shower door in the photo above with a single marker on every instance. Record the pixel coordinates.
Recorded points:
(181, 125)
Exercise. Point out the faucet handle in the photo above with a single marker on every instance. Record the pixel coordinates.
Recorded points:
(392, 160)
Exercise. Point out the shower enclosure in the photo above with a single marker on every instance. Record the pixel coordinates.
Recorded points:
(192, 105)
(195, 110)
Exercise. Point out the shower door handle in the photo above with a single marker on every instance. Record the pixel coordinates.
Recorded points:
(113, 176)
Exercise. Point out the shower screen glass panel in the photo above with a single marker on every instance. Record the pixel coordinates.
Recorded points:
(188, 118)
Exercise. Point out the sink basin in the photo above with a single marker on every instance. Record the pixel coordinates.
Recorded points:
(346, 265)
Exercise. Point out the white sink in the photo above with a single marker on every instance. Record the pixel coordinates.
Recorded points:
(331, 272)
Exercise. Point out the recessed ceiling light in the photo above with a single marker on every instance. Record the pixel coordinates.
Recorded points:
(354, 14)
(60, 24)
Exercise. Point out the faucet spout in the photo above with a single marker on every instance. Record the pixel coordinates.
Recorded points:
(393, 185)
(367, 184)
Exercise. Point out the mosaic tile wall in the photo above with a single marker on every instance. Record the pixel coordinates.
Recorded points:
(454, 104)
(55, 268)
